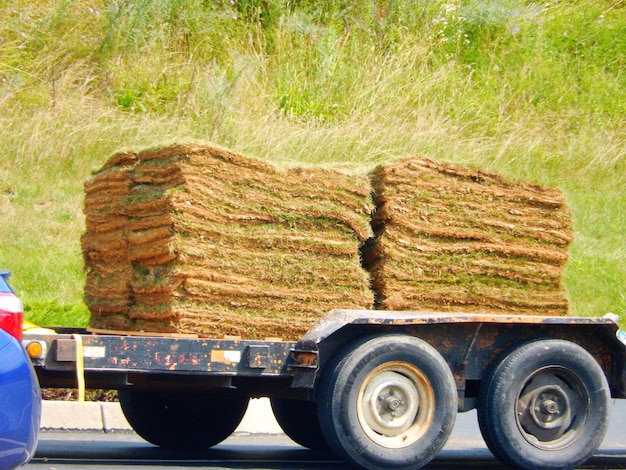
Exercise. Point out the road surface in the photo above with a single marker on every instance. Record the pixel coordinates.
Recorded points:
(121, 450)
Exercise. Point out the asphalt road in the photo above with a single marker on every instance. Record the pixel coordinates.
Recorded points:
(121, 450)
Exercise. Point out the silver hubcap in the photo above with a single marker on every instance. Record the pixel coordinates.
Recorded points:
(395, 404)
(551, 409)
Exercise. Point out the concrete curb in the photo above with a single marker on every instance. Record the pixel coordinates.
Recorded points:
(108, 417)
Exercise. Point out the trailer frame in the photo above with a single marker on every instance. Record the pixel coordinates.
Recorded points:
(450, 356)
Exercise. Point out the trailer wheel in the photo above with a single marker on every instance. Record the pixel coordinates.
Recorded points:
(182, 420)
(546, 405)
(388, 402)
(299, 420)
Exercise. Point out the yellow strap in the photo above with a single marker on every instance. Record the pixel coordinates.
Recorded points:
(80, 368)
(31, 328)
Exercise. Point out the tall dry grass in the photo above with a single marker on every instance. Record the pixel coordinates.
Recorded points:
(531, 91)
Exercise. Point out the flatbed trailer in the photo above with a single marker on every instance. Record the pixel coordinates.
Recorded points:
(379, 388)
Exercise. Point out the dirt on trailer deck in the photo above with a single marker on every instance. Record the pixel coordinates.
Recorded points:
(450, 238)
(192, 239)
(196, 239)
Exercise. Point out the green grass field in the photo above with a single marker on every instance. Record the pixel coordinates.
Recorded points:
(534, 91)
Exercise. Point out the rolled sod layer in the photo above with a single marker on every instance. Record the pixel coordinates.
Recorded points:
(449, 238)
(195, 239)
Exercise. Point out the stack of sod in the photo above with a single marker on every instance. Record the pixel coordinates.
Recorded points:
(105, 247)
(195, 239)
(461, 240)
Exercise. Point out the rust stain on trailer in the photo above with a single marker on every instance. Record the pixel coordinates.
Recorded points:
(392, 317)
(307, 359)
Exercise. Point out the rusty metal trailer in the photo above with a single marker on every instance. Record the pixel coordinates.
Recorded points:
(379, 388)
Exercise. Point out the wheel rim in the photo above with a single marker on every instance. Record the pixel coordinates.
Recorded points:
(395, 404)
(552, 407)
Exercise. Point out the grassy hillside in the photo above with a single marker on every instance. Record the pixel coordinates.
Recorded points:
(534, 91)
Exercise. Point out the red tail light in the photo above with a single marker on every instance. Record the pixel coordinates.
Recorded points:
(11, 315)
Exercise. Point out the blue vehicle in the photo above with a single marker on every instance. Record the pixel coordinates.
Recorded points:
(20, 397)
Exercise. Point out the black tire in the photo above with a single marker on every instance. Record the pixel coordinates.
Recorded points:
(182, 420)
(545, 406)
(300, 422)
(366, 384)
